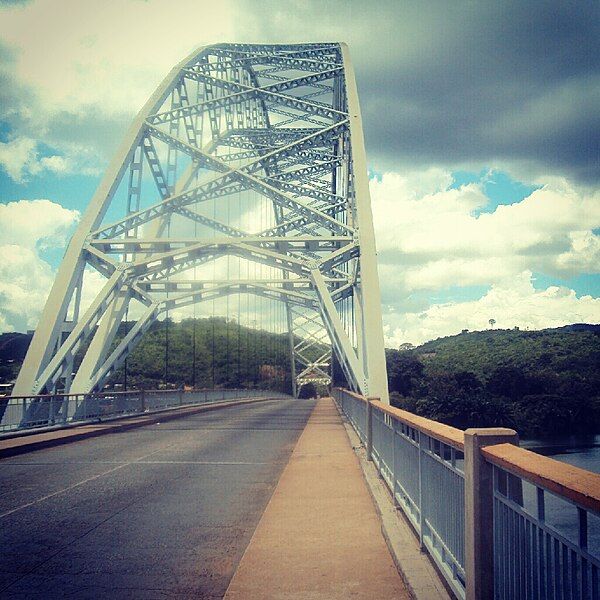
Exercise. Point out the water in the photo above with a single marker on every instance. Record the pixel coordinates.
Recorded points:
(580, 451)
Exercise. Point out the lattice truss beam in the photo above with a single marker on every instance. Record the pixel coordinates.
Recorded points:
(232, 131)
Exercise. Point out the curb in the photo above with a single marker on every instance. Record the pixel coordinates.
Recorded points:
(88, 430)
(415, 568)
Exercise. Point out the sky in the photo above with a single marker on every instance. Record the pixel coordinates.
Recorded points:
(482, 126)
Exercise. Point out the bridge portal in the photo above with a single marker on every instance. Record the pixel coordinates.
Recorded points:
(243, 175)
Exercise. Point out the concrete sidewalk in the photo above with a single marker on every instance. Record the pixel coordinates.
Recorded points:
(320, 536)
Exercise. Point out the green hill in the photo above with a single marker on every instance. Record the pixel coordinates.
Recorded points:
(555, 350)
(536, 381)
(212, 352)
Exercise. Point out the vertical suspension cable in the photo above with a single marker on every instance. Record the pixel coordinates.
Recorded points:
(194, 314)
(172, 155)
(228, 277)
(255, 314)
(127, 355)
(167, 319)
(238, 115)
(198, 131)
(239, 298)
(218, 115)
(212, 322)
(247, 313)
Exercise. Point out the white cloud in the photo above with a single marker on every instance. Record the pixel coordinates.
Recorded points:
(512, 303)
(18, 157)
(28, 227)
(429, 238)
(25, 280)
(107, 54)
(36, 223)
(75, 85)
(56, 164)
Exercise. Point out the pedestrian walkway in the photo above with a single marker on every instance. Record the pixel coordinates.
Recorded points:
(320, 536)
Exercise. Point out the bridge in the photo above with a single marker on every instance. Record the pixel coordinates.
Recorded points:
(241, 192)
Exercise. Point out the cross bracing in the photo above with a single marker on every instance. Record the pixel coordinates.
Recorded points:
(243, 175)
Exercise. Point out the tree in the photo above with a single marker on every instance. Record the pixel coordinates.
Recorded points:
(468, 382)
(492, 322)
(405, 372)
(513, 383)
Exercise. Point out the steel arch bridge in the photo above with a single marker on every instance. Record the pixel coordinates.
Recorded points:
(234, 131)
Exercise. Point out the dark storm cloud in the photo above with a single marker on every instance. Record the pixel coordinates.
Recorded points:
(472, 82)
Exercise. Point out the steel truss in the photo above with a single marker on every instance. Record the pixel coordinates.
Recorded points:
(281, 122)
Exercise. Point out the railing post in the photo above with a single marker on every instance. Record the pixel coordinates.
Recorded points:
(369, 428)
(421, 507)
(394, 436)
(143, 400)
(479, 510)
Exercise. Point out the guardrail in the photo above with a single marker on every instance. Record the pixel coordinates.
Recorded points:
(494, 517)
(28, 412)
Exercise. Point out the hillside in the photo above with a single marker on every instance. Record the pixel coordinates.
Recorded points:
(535, 381)
(13, 347)
(227, 354)
(557, 350)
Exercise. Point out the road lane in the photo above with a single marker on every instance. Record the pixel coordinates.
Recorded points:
(160, 511)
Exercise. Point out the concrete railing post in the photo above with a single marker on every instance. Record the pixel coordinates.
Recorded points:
(479, 510)
(369, 428)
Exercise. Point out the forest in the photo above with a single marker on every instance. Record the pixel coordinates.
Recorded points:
(538, 382)
(201, 353)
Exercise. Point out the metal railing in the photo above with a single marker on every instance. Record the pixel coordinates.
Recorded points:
(484, 518)
(544, 543)
(28, 412)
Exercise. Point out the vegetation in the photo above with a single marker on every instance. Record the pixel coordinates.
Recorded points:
(226, 355)
(539, 382)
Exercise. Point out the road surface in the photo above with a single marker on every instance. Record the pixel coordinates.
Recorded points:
(165, 510)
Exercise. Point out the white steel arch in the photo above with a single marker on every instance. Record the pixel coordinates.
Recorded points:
(275, 124)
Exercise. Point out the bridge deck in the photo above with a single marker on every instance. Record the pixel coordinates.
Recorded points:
(320, 536)
(170, 509)
(159, 511)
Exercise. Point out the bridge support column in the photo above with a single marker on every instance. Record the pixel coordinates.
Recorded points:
(479, 510)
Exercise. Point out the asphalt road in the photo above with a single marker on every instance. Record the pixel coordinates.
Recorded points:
(161, 511)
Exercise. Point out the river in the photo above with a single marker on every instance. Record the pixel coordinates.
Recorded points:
(582, 450)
